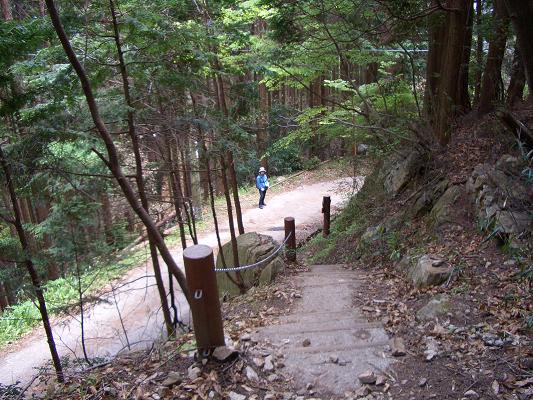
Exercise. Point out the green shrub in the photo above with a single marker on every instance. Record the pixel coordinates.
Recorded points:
(312, 163)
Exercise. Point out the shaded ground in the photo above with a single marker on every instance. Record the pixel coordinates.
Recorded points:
(130, 317)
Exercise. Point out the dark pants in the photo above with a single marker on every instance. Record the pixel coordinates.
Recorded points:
(262, 194)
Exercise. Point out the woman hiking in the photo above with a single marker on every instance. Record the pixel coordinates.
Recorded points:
(261, 182)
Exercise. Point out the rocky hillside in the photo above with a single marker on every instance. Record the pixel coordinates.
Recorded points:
(448, 235)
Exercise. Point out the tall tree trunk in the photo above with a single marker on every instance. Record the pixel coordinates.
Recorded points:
(186, 200)
(463, 94)
(30, 267)
(6, 10)
(479, 51)
(491, 86)
(139, 178)
(203, 159)
(436, 38)
(177, 197)
(262, 124)
(371, 73)
(515, 92)
(3, 297)
(10, 293)
(113, 162)
(521, 14)
(443, 93)
(107, 217)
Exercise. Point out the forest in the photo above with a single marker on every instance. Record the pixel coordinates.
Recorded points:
(121, 119)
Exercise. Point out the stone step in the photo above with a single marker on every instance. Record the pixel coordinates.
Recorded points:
(299, 327)
(320, 325)
(327, 337)
(329, 282)
(332, 271)
(326, 267)
(343, 349)
(330, 277)
(321, 316)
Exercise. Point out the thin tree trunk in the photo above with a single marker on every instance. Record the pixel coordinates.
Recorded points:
(262, 134)
(80, 300)
(235, 188)
(113, 162)
(183, 200)
(41, 210)
(491, 86)
(204, 159)
(107, 217)
(187, 198)
(215, 218)
(30, 267)
(202, 154)
(139, 171)
(234, 246)
(175, 194)
(479, 52)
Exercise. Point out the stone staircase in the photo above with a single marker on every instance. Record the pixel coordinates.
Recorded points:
(326, 341)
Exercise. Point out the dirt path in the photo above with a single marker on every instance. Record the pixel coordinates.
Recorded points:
(326, 342)
(136, 304)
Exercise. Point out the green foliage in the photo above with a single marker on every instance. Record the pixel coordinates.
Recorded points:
(312, 163)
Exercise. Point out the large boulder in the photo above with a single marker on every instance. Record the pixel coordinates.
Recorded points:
(501, 197)
(400, 170)
(443, 210)
(426, 199)
(429, 271)
(252, 247)
(514, 221)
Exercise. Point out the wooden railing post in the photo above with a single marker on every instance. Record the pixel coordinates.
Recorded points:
(205, 304)
(290, 229)
(326, 210)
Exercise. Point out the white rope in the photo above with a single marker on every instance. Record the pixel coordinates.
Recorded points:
(257, 264)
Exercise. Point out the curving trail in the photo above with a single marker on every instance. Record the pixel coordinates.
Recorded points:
(136, 298)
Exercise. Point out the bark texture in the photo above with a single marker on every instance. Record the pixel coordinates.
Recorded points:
(492, 84)
(449, 34)
(521, 14)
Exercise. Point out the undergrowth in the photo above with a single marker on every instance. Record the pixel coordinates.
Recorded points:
(362, 209)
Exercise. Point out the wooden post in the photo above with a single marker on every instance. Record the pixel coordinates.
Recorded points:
(326, 210)
(205, 305)
(290, 229)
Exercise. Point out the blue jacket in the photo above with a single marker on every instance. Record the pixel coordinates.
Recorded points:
(261, 182)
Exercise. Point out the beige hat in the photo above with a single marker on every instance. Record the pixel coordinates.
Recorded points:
(262, 169)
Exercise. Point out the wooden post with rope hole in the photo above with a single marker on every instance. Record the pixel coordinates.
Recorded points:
(205, 304)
